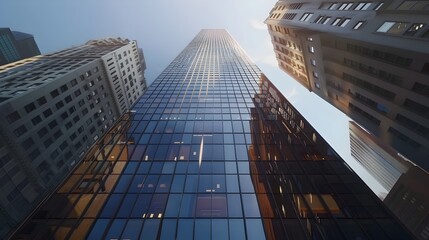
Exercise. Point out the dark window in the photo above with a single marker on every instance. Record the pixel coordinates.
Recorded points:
(20, 130)
(47, 113)
(30, 107)
(77, 92)
(41, 101)
(63, 145)
(54, 154)
(64, 115)
(42, 132)
(58, 134)
(72, 110)
(28, 143)
(36, 120)
(69, 125)
(53, 124)
(54, 93)
(13, 117)
(68, 99)
(48, 142)
(73, 82)
(59, 104)
(34, 154)
(64, 88)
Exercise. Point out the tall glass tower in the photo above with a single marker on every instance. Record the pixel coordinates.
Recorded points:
(212, 151)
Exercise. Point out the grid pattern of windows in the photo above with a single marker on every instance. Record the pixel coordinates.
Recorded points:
(212, 151)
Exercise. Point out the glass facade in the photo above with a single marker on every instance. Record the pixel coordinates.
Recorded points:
(212, 151)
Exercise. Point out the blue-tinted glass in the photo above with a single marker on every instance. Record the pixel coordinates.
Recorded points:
(173, 205)
(191, 183)
(187, 206)
(115, 229)
(185, 229)
(202, 229)
(236, 229)
(178, 183)
(234, 205)
(250, 205)
(141, 206)
(132, 229)
(150, 229)
(123, 184)
(98, 229)
(255, 229)
(168, 230)
(111, 205)
(136, 184)
(246, 184)
(220, 227)
(127, 205)
(131, 167)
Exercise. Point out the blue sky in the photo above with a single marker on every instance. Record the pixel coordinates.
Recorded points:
(163, 28)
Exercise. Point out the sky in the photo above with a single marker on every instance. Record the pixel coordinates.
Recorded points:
(162, 29)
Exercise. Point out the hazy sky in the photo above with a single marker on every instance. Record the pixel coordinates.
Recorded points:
(163, 28)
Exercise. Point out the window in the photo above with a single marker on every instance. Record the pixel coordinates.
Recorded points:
(68, 99)
(63, 145)
(48, 142)
(336, 21)
(58, 134)
(414, 29)
(393, 27)
(20, 130)
(313, 62)
(59, 104)
(306, 17)
(315, 74)
(53, 124)
(378, 6)
(319, 19)
(333, 6)
(54, 93)
(64, 88)
(30, 107)
(41, 101)
(363, 6)
(326, 20)
(36, 120)
(344, 22)
(73, 82)
(42, 132)
(47, 113)
(28, 143)
(358, 25)
(77, 92)
(345, 6)
(64, 115)
(13, 117)
(311, 49)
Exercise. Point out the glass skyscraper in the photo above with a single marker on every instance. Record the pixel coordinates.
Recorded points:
(212, 150)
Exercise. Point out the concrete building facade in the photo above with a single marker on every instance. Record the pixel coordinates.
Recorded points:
(367, 58)
(53, 108)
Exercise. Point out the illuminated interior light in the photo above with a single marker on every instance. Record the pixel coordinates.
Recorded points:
(151, 215)
(182, 158)
(218, 185)
(144, 215)
(160, 215)
(146, 158)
